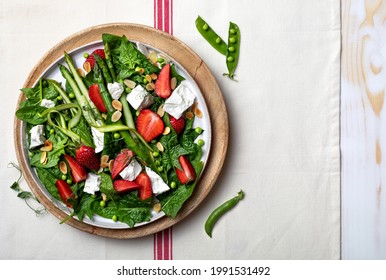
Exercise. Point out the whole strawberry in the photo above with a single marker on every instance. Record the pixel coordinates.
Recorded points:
(177, 124)
(87, 157)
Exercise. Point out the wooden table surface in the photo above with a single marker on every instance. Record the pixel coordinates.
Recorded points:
(363, 129)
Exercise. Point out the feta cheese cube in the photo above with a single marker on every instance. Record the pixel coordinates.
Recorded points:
(142, 48)
(157, 184)
(92, 183)
(115, 89)
(98, 139)
(37, 136)
(47, 103)
(179, 101)
(131, 171)
(139, 98)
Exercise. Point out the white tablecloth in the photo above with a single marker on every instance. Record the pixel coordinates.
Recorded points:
(284, 128)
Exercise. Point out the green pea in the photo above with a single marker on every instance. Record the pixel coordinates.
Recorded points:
(232, 40)
(160, 60)
(145, 81)
(200, 142)
(230, 58)
(155, 154)
(128, 90)
(69, 181)
(30, 154)
(71, 95)
(137, 69)
(198, 130)
(117, 135)
(160, 168)
(205, 26)
(115, 218)
(137, 113)
(221, 210)
(173, 185)
(210, 36)
(52, 131)
(59, 97)
(218, 40)
(85, 55)
(64, 177)
(231, 49)
(232, 31)
(102, 203)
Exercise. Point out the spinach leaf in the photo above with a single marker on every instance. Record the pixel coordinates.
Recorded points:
(53, 156)
(175, 74)
(48, 177)
(85, 206)
(32, 114)
(49, 92)
(106, 186)
(83, 130)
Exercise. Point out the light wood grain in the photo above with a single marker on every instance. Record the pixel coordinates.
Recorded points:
(205, 81)
(363, 123)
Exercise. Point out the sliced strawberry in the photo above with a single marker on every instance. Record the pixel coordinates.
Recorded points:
(145, 191)
(162, 84)
(177, 124)
(78, 173)
(87, 157)
(123, 186)
(121, 161)
(187, 174)
(91, 59)
(96, 98)
(65, 191)
(149, 124)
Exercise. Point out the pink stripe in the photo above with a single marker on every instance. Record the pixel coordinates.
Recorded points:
(163, 20)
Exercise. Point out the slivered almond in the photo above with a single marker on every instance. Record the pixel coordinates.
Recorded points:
(129, 83)
(166, 131)
(104, 158)
(104, 116)
(153, 76)
(63, 167)
(111, 164)
(157, 207)
(116, 116)
(189, 115)
(194, 106)
(153, 57)
(160, 147)
(141, 71)
(148, 78)
(173, 83)
(100, 170)
(80, 72)
(47, 146)
(43, 158)
(150, 86)
(161, 111)
(104, 197)
(198, 112)
(117, 105)
(87, 66)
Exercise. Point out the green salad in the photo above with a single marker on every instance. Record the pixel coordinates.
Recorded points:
(115, 139)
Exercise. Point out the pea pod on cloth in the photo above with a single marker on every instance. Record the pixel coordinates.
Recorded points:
(208, 33)
(221, 210)
(233, 50)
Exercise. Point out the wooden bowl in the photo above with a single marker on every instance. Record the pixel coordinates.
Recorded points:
(204, 79)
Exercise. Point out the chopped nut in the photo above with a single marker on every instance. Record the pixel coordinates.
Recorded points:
(148, 78)
(166, 131)
(153, 76)
(161, 111)
(150, 86)
(43, 158)
(157, 207)
(47, 146)
(80, 72)
(129, 83)
(189, 115)
(194, 106)
(116, 116)
(63, 167)
(198, 112)
(104, 197)
(104, 158)
(111, 164)
(153, 57)
(141, 71)
(104, 115)
(160, 147)
(173, 83)
(87, 66)
(117, 105)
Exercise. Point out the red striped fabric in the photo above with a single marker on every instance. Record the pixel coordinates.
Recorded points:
(163, 20)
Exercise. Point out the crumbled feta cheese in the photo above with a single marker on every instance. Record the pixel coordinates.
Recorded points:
(115, 89)
(142, 48)
(92, 183)
(98, 139)
(139, 98)
(37, 136)
(131, 171)
(180, 100)
(47, 103)
(157, 184)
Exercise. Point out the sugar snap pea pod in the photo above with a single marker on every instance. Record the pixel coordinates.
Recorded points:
(208, 33)
(221, 210)
(233, 50)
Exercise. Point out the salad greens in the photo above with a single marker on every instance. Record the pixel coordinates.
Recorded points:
(69, 122)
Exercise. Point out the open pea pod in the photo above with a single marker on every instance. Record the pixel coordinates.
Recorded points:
(208, 33)
(233, 50)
